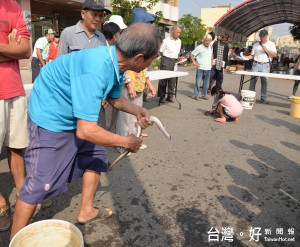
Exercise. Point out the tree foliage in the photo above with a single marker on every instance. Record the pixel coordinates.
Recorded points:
(124, 8)
(295, 31)
(192, 29)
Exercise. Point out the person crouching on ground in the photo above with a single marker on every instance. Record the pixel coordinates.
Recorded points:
(228, 106)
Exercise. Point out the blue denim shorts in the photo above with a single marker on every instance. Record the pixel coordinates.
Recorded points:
(55, 159)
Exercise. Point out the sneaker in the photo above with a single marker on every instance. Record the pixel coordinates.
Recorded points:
(264, 101)
(205, 97)
(171, 100)
(162, 100)
(291, 96)
(5, 219)
(144, 146)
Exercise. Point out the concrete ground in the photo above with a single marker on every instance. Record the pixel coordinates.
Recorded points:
(243, 177)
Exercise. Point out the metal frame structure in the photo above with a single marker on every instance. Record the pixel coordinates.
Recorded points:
(252, 15)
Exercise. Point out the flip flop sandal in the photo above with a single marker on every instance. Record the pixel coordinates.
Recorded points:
(102, 213)
(5, 218)
(220, 120)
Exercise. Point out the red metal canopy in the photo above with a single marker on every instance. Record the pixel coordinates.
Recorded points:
(252, 15)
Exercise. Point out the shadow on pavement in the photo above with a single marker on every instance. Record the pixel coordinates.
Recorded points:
(280, 122)
(195, 227)
(134, 222)
(272, 188)
(278, 95)
(291, 145)
(287, 113)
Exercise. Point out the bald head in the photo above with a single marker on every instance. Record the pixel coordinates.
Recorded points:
(139, 38)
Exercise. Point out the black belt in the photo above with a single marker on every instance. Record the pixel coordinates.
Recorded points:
(260, 62)
(173, 59)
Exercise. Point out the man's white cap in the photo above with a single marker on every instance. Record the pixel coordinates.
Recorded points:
(118, 20)
(50, 31)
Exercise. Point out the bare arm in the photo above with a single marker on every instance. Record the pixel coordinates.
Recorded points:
(249, 57)
(15, 49)
(92, 132)
(123, 104)
(270, 53)
(194, 60)
(152, 90)
(39, 55)
(131, 91)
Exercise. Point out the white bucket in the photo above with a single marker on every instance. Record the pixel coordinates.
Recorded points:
(248, 99)
(48, 233)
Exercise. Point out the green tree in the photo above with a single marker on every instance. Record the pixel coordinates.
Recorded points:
(192, 29)
(124, 8)
(295, 31)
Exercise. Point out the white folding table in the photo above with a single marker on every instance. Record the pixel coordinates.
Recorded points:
(153, 75)
(256, 74)
(166, 74)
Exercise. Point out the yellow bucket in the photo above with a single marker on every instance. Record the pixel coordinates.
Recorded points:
(295, 107)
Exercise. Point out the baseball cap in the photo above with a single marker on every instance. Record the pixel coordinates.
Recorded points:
(263, 32)
(140, 15)
(117, 19)
(96, 5)
(49, 31)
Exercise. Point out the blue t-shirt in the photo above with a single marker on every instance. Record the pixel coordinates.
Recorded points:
(73, 86)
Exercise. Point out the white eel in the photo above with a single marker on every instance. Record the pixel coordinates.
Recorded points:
(153, 119)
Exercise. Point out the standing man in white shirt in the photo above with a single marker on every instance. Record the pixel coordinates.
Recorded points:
(169, 50)
(262, 53)
(41, 52)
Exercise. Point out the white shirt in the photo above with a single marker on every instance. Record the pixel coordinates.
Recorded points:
(203, 55)
(41, 43)
(170, 47)
(259, 54)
